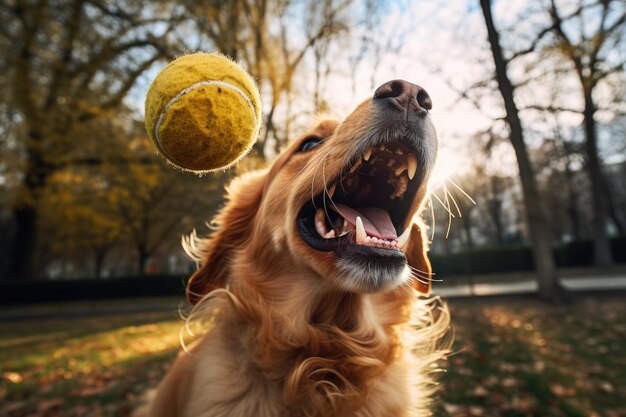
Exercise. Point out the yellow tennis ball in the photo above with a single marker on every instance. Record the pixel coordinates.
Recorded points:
(203, 112)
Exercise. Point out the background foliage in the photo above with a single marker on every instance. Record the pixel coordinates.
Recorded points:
(82, 193)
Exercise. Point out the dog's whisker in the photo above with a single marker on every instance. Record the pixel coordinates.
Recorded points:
(320, 159)
(447, 191)
(325, 193)
(420, 271)
(427, 276)
(450, 215)
(463, 191)
(420, 280)
(298, 173)
(330, 197)
(442, 204)
(422, 276)
(432, 215)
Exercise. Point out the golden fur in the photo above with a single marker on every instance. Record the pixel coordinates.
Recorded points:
(284, 339)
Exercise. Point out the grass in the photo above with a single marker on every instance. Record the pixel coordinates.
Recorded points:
(512, 357)
(89, 366)
(523, 358)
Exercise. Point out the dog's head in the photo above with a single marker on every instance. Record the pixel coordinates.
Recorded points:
(340, 203)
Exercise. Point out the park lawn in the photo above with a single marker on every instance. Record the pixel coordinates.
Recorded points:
(84, 366)
(519, 357)
(512, 357)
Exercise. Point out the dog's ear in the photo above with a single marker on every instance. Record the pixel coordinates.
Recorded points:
(234, 223)
(417, 247)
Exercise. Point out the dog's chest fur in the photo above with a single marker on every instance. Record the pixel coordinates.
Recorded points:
(227, 382)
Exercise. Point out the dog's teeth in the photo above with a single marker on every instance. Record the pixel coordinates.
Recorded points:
(330, 234)
(367, 154)
(360, 231)
(404, 238)
(400, 169)
(391, 162)
(320, 224)
(399, 152)
(412, 162)
(381, 147)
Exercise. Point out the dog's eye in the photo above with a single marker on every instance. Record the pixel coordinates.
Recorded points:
(310, 143)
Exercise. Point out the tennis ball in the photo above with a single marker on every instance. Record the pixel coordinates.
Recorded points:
(203, 112)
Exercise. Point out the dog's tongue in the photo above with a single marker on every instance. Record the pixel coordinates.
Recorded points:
(376, 221)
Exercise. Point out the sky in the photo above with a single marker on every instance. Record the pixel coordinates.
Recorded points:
(445, 50)
(441, 46)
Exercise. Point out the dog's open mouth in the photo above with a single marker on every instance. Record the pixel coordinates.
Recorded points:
(367, 205)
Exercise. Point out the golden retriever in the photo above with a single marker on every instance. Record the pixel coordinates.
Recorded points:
(312, 276)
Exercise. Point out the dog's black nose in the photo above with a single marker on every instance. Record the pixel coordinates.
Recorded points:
(403, 95)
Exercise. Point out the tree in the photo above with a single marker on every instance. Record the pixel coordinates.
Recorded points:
(538, 226)
(152, 202)
(589, 50)
(273, 39)
(65, 64)
(78, 224)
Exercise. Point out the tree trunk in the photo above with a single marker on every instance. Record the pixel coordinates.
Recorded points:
(24, 260)
(572, 207)
(98, 261)
(549, 286)
(601, 246)
(142, 258)
(495, 211)
(24, 255)
(610, 202)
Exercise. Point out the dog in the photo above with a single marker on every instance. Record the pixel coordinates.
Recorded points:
(311, 280)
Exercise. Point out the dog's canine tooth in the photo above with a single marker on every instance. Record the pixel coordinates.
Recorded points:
(367, 154)
(401, 169)
(391, 162)
(330, 234)
(320, 224)
(360, 231)
(399, 152)
(412, 165)
(404, 238)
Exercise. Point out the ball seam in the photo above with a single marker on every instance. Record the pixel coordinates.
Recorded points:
(187, 90)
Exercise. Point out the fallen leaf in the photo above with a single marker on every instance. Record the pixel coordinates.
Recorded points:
(451, 408)
(480, 391)
(47, 406)
(476, 411)
(607, 387)
(561, 391)
(509, 382)
(523, 403)
(13, 377)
